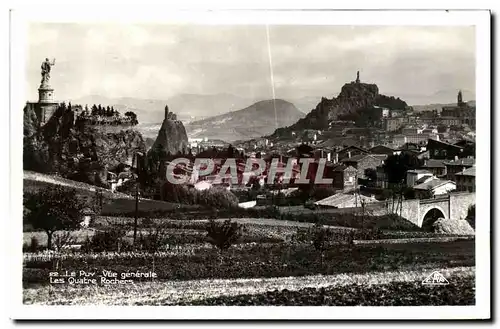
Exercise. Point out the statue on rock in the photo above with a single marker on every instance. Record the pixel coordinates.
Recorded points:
(357, 77)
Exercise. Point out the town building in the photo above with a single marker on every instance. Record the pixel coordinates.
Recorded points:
(362, 162)
(381, 149)
(442, 150)
(344, 177)
(349, 152)
(435, 166)
(458, 165)
(342, 200)
(433, 188)
(392, 124)
(413, 176)
(466, 180)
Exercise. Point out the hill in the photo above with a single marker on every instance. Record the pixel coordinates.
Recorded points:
(355, 98)
(113, 203)
(257, 120)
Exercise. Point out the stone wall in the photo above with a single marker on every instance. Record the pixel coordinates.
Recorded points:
(460, 203)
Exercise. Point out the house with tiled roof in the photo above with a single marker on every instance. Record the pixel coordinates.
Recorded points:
(381, 149)
(413, 177)
(443, 150)
(350, 151)
(362, 162)
(458, 165)
(344, 177)
(342, 200)
(435, 166)
(466, 180)
(434, 187)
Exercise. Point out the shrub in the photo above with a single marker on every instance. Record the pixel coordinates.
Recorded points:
(471, 216)
(109, 240)
(153, 240)
(320, 237)
(223, 235)
(63, 239)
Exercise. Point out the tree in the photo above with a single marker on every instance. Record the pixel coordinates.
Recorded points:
(409, 193)
(471, 216)
(321, 237)
(53, 209)
(132, 116)
(396, 166)
(371, 174)
(223, 235)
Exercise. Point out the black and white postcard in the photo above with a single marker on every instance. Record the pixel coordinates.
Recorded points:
(332, 163)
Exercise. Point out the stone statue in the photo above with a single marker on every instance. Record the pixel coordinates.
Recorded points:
(357, 77)
(46, 66)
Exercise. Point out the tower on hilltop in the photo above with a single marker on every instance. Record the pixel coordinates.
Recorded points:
(357, 77)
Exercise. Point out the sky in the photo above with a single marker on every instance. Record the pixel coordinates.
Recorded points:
(159, 61)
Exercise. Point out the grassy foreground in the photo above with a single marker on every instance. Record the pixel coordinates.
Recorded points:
(247, 291)
(264, 261)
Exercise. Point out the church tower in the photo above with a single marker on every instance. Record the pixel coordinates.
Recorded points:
(459, 98)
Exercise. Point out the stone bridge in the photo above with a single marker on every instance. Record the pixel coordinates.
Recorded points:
(453, 205)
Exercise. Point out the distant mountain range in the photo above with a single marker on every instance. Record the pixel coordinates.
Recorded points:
(438, 107)
(257, 120)
(446, 96)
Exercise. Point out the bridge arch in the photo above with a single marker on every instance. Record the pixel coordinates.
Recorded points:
(430, 216)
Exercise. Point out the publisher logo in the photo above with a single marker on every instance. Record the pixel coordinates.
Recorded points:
(435, 279)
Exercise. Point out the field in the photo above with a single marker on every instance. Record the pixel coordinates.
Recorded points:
(274, 262)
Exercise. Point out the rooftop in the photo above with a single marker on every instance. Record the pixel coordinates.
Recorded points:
(419, 171)
(360, 157)
(434, 163)
(468, 172)
(341, 200)
(432, 184)
(461, 162)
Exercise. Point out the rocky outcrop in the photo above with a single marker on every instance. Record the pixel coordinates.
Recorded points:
(353, 97)
(172, 137)
(74, 149)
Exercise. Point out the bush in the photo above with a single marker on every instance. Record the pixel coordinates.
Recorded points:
(63, 239)
(109, 240)
(153, 240)
(471, 216)
(223, 235)
(320, 237)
